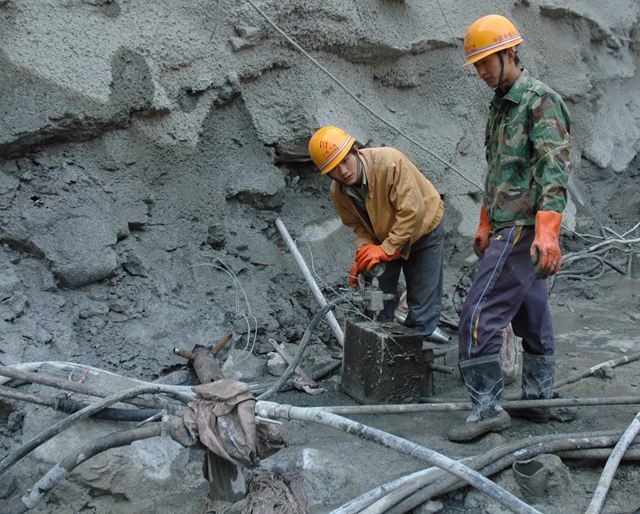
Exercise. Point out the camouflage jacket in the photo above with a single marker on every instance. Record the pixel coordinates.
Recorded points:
(527, 145)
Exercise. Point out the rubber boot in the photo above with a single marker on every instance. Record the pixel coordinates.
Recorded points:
(483, 378)
(537, 384)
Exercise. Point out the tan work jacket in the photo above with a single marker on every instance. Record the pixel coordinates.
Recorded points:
(402, 204)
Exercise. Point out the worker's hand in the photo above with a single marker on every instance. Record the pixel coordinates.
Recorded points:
(353, 275)
(545, 249)
(369, 255)
(481, 238)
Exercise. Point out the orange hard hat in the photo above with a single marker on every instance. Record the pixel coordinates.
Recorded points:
(488, 35)
(328, 146)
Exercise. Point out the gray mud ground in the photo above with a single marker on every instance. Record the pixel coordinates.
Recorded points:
(588, 332)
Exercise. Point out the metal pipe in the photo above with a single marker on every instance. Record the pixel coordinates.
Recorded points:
(441, 368)
(31, 372)
(464, 406)
(623, 359)
(317, 294)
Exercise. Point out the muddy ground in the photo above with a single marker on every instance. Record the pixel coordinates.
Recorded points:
(588, 331)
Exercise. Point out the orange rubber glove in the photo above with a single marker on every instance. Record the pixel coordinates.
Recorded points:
(369, 255)
(481, 238)
(545, 249)
(353, 275)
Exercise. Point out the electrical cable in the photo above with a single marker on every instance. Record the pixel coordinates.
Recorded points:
(306, 338)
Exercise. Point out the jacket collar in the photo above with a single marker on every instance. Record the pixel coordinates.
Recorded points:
(516, 91)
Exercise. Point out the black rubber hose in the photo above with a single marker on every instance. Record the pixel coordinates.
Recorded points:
(14, 456)
(70, 406)
(301, 348)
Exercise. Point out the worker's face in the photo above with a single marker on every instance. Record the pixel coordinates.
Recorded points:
(346, 172)
(488, 69)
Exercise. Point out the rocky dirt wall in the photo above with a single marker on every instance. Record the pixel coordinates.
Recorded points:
(148, 147)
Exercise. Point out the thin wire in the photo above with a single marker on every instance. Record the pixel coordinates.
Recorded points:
(248, 317)
(445, 19)
(360, 102)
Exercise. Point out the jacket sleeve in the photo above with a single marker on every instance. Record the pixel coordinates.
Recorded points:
(409, 207)
(550, 137)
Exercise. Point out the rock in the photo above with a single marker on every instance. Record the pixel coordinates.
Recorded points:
(14, 421)
(276, 365)
(143, 469)
(241, 365)
(13, 307)
(9, 281)
(542, 477)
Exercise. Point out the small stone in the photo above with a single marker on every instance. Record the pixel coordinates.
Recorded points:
(14, 420)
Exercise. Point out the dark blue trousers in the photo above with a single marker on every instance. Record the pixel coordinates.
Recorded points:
(423, 275)
(505, 290)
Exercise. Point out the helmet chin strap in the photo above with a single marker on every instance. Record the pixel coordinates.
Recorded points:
(501, 76)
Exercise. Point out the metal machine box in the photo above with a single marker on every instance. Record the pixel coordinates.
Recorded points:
(385, 363)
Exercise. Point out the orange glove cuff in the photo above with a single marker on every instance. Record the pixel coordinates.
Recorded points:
(548, 224)
(481, 238)
(484, 226)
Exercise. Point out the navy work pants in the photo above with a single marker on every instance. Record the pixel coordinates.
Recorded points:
(423, 275)
(505, 290)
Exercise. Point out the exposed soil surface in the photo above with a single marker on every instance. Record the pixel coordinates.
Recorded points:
(588, 332)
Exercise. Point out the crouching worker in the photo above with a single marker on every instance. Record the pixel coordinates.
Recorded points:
(396, 214)
(527, 149)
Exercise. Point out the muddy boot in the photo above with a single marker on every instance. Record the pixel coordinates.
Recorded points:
(483, 378)
(537, 384)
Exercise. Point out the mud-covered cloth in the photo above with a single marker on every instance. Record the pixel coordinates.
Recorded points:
(527, 143)
(270, 492)
(276, 493)
(223, 420)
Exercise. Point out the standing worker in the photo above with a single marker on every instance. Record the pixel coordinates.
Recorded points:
(396, 214)
(527, 147)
